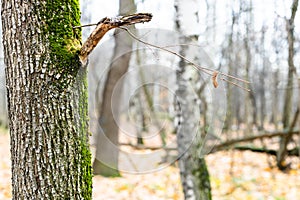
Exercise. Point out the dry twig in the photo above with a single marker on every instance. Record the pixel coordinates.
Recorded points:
(107, 24)
(104, 26)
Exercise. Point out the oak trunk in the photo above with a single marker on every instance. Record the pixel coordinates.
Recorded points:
(47, 100)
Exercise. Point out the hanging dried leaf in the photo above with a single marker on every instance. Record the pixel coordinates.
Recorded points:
(214, 79)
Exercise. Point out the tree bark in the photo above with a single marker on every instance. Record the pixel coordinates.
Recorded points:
(107, 152)
(47, 97)
(47, 100)
(193, 171)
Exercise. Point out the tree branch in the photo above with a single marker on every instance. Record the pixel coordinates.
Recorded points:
(107, 24)
(294, 10)
(143, 147)
(203, 69)
(292, 152)
(229, 143)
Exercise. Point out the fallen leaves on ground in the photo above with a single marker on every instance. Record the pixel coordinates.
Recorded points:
(234, 176)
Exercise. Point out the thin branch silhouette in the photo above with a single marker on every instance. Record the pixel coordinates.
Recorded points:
(203, 69)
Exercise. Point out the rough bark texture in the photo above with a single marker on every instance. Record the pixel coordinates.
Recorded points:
(47, 100)
(193, 171)
(107, 153)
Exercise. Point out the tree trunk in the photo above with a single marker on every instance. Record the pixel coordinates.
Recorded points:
(250, 101)
(262, 76)
(275, 97)
(47, 100)
(193, 171)
(229, 88)
(287, 110)
(107, 152)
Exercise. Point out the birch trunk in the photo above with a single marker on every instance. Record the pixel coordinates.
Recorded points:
(47, 100)
(193, 171)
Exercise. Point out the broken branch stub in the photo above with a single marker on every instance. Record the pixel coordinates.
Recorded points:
(107, 24)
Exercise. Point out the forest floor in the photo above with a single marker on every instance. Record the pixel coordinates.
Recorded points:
(234, 175)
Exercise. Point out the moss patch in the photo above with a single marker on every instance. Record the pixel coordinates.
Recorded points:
(65, 42)
(86, 157)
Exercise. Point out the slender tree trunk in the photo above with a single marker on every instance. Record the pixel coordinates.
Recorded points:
(47, 100)
(107, 152)
(275, 97)
(150, 105)
(287, 110)
(229, 93)
(262, 76)
(250, 95)
(193, 171)
(250, 101)
(143, 126)
(237, 93)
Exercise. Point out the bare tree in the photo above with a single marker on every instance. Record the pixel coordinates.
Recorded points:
(107, 153)
(287, 110)
(262, 77)
(229, 56)
(250, 101)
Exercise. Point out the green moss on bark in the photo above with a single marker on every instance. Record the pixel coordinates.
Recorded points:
(202, 178)
(65, 42)
(85, 151)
